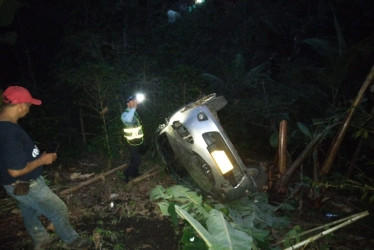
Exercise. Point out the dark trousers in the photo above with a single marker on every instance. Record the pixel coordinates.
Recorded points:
(133, 168)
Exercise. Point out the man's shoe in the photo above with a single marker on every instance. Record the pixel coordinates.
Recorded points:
(46, 244)
(80, 243)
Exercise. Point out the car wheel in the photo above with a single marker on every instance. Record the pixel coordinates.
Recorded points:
(212, 102)
(216, 103)
(205, 99)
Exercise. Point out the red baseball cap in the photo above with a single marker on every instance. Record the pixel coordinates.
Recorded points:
(18, 94)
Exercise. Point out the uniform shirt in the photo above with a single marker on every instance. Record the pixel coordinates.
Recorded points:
(16, 150)
(128, 116)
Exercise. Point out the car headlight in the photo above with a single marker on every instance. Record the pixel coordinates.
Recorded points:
(222, 161)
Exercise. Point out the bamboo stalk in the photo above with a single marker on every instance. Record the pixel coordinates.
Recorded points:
(322, 227)
(346, 221)
(339, 138)
(282, 183)
(282, 147)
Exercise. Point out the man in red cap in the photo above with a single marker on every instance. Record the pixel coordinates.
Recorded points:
(21, 166)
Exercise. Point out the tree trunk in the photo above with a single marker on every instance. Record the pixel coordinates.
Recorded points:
(83, 132)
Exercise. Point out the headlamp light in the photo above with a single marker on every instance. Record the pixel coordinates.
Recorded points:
(139, 97)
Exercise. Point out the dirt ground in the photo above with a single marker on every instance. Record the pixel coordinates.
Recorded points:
(115, 214)
(121, 216)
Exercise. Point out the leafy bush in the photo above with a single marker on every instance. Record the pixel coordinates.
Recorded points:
(239, 224)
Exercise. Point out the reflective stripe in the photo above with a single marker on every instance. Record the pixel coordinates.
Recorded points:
(133, 133)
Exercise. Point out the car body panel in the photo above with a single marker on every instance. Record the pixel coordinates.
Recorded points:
(192, 141)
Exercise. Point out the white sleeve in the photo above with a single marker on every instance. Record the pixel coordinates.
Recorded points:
(127, 116)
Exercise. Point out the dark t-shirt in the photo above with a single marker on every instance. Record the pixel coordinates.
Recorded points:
(16, 150)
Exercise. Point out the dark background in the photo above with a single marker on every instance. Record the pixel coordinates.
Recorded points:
(302, 61)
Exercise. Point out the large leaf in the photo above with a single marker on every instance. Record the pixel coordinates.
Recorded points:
(173, 214)
(164, 207)
(341, 41)
(255, 75)
(274, 138)
(8, 9)
(225, 234)
(214, 80)
(324, 48)
(190, 240)
(238, 67)
(186, 198)
(304, 129)
(184, 194)
(158, 192)
(205, 235)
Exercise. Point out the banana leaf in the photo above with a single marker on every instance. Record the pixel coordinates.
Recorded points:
(220, 234)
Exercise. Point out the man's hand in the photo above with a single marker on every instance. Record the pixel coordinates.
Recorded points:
(44, 159)
(132, 104)
(47, 158)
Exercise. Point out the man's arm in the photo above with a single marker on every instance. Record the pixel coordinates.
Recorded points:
(127, 117)
(44, 159)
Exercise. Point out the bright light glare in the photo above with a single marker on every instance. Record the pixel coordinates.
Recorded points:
(222, 161)
(140, 97)
(199, 1)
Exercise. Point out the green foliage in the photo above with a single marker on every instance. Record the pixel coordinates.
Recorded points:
(220, 234)
(190, 239)
(8, 9)
(234, 78)
(290, 238)
(337, 59)
(231, 225)
(360, 185)
(304, 129)
(186, 198)
(273, 140)
(173, 214)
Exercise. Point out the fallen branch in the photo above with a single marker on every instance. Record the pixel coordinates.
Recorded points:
(144, 177)
(93, 180)
(346, 221)
(7, 205)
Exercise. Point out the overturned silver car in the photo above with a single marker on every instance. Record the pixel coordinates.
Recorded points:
(194, 145)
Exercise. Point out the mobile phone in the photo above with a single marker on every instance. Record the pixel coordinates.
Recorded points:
(53, 147)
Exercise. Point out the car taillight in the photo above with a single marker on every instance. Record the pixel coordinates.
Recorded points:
(223, 162)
